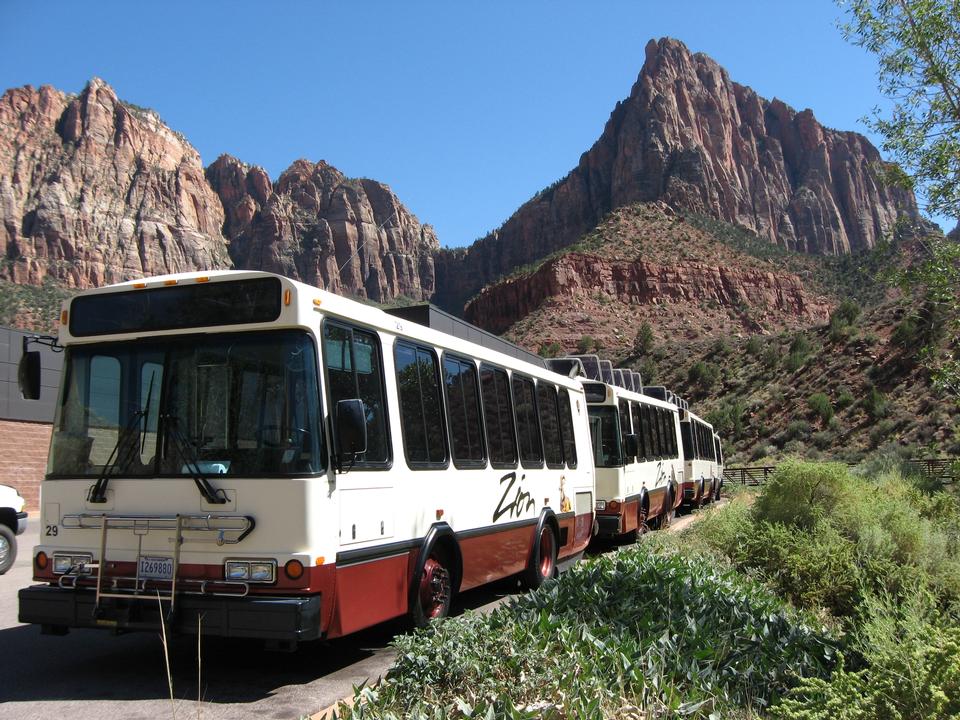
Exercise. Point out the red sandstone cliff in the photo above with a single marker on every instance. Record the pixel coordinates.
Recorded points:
(689, 136)
(94, 191)
(316, 225)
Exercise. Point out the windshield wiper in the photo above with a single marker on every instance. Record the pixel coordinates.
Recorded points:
(214, 496)
(98, 493)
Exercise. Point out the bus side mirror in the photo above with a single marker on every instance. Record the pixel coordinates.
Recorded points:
(633, 446)
(351, 422)
(28, 375)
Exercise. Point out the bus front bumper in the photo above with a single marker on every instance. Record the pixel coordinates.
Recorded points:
(288, 619)
(609, 525)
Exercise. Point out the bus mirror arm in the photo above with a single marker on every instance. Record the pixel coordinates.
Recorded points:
(28, 370)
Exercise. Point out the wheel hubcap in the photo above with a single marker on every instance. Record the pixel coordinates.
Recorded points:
(4, 549)
(434, 588)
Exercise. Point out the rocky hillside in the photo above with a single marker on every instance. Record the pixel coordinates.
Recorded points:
(690, 137)
(646, 262)
(94, 190)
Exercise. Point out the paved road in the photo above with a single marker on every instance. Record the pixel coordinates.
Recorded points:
(94, 675)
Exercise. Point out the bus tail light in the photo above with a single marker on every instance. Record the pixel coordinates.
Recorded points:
(613, 506)
(41, 560)
(258, 571)
(293, 569)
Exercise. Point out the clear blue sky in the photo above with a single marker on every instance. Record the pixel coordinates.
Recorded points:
(466, 109)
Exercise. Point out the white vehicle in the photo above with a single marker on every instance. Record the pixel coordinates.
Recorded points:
(637, 454)
(287, 464)
(703, 478)
(13, 522)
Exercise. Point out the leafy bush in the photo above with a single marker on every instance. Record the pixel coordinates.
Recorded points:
(550, 350)
(703, 374)
(644, 341)
(586, 344)
(727, 420)
(799, 494)
(842, 319)
(906, 335)
(771, 357)
(820, 405)
(664, 634)
(845, 399)
(874, 403)
(754, 345)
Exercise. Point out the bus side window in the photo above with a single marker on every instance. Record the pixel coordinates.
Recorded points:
(354, 370)
(626, 429)
(463, 409)
(528, 428)
(498, 417)
(639, 431)
(421, 415)
(550, 424)
(566, 429)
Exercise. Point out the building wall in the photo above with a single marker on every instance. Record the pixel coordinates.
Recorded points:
(25, 425)
(23, 458)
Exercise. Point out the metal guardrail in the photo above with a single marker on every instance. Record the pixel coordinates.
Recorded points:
(943, 469)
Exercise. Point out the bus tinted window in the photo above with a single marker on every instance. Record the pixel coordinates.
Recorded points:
(566, 429)
(354, 369)
(528, 429)
(651, 418)
(421, 417)
(498, 417)
(605, 436)
(550, 425)
(623, 406)
(463, 405)
(635, 413)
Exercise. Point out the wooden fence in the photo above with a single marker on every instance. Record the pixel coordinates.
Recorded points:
(943, 469)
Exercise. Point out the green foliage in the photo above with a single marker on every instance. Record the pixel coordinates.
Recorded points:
(874, 403)
(798, 493)
(703, 374)
(667, 635)
(820, 406)
(913, 671)
(845, 399)
(587, 344)
(799, 353)
(917, 44)
(771, 356)
(842, 319)
(728, 419)
(644, 341)
(37, 306)
(906, 334)
(648, 371)
(550, 350)
(754, 345)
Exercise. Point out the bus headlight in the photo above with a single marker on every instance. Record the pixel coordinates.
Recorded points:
(601, 504)
(258, 571)
(63, 563)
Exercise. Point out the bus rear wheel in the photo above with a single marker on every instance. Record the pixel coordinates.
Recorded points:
(667, 514)
(434, 590)
(543, 560)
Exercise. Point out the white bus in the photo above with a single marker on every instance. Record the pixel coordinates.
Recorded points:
(703, 476)
(637, 455)
(277, 462)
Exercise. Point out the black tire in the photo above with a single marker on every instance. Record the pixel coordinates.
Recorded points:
(643, 517)
(8, 548)
(718, 487)
(433, 589)
(708, 496)
(669, 513)
(698, 503)
(543, 559)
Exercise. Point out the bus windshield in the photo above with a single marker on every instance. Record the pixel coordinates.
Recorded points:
(239, 404)
(605, 435)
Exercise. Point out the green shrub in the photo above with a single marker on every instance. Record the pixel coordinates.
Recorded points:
(906, 335)
(845, 399)
(771, 357)
(796, 430)
(703, 374)
(550, 350)
(586, 344)
(754, 345)
(644, 341)
(874, 403)
(668, 635)
(799, 494)
(727, 420)
(820, 406)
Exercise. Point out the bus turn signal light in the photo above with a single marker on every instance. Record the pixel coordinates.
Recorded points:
(293, 569)
(41, 560)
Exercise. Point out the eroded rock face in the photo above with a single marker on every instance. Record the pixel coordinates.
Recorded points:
(689, 136)
(777, 297)
(320, 227)
(93, 191)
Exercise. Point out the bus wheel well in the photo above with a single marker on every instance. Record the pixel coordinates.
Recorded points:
(441, 537)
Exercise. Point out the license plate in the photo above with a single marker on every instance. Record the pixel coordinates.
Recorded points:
(156, 568)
